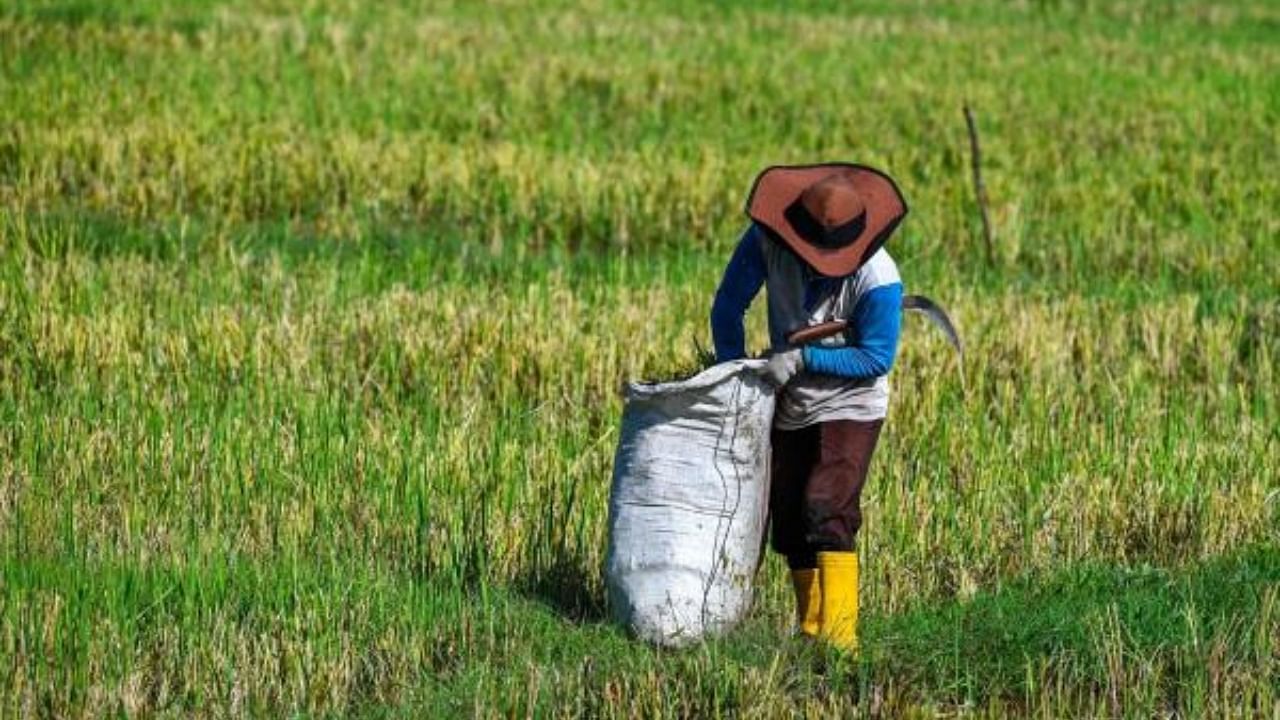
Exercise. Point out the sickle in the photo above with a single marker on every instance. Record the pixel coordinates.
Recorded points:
(937, 316)
(806, 335)
(918, 303)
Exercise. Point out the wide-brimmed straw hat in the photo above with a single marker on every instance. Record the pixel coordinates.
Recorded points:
(835, 216)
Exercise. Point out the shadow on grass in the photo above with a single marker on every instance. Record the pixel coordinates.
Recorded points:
(1088, 627)
(564, 586)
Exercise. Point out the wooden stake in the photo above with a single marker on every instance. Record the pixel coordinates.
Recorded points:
(979, 187)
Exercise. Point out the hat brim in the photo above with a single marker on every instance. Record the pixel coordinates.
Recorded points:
(777, 187)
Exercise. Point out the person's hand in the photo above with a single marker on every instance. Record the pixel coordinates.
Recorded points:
(782, 366)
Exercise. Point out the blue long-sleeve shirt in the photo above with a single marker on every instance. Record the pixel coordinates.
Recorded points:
(743, 278)
(874, 324)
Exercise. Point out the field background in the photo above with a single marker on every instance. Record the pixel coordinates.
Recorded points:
(313, 318)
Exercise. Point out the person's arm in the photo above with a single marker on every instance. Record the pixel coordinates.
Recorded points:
(874, 326)
(742, 279)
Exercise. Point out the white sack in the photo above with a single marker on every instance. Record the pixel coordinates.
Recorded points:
(689, 500)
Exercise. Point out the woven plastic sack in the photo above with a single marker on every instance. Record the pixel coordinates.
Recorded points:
(688, 505)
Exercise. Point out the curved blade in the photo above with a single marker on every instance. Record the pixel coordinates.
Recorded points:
(937, 316)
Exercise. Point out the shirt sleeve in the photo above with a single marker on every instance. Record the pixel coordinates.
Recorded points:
(875, 326)
(742, 280)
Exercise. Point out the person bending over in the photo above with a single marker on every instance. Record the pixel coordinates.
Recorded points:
(816, 243)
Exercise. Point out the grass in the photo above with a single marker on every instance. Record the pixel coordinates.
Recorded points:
(312, 323)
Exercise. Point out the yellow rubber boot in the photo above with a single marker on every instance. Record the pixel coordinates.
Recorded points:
(807, 584)
(839, 591)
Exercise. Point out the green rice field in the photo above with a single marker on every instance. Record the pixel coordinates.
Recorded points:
(314, 315)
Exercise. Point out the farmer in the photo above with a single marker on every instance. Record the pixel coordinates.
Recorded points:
(816, 243)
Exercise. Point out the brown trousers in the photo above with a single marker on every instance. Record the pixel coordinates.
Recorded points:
(815, 499)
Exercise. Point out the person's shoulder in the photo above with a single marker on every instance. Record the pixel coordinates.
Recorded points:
(770, 249)
(751, 234)
(879, 270)
(758, 234)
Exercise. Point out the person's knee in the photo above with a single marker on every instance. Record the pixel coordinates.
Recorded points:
(831, 529)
